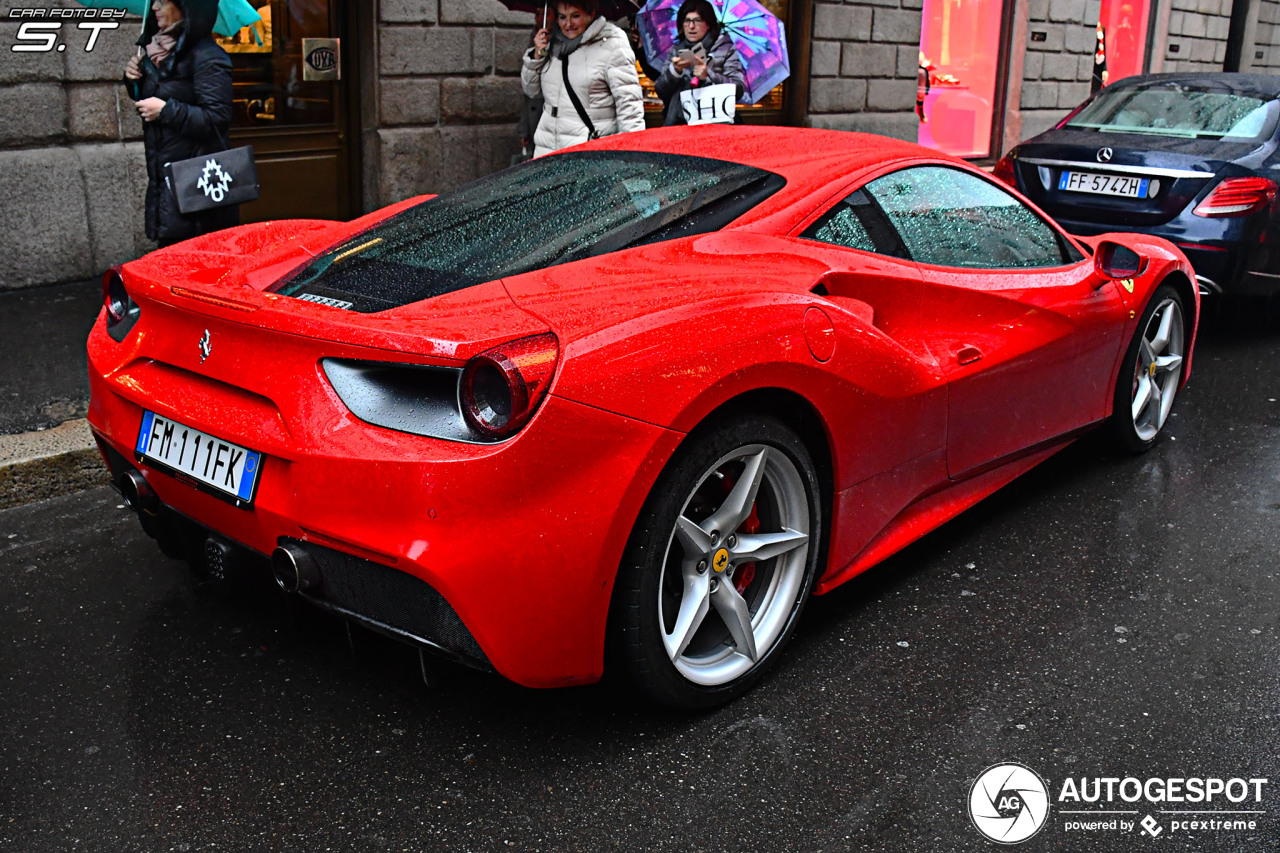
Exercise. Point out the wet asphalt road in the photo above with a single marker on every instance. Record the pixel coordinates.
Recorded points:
(1104, 616)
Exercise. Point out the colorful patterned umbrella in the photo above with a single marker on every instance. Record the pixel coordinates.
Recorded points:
(758, 35)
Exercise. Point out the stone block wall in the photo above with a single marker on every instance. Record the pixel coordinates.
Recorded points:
(1058, 64)
(863, 66)
(1263, 57)
(448, 91)
(72, 174)
(1197, 39)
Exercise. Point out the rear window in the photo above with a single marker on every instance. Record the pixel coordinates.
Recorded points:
(546, 212)
(1180, 112)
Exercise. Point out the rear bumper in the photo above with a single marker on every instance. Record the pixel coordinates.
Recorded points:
(521, 541)
(376, 595)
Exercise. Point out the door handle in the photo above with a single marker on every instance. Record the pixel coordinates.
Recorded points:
(968, 354)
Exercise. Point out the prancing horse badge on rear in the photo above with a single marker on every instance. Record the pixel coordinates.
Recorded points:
(205, 347)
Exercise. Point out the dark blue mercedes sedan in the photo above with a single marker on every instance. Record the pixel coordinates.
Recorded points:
(1188, 157)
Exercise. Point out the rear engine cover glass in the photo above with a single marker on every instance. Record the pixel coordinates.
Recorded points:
(550, 211)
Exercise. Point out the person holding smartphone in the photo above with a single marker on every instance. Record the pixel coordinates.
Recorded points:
(703, 55)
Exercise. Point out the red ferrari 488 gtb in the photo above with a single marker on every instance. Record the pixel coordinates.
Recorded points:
(652, 392)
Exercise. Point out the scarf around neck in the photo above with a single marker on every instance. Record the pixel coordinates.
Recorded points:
(562, 47)
(162, 43)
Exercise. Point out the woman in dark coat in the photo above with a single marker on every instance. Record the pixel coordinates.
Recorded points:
(182, 89)
(719, 62)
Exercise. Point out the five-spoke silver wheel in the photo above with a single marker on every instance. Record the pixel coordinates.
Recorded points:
(1152, 371)
(723, 556)
(735, 565)
(1158, 369)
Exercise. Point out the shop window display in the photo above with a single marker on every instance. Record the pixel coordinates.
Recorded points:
(1122, 41)
(956, 84)
(267, 72)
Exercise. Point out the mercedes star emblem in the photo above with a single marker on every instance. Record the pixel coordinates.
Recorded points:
(1104, 155)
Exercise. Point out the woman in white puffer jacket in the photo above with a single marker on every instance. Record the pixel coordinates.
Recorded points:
(602, 72)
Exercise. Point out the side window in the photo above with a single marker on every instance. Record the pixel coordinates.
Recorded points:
(857, 223)
(843, 228)
(951, 218)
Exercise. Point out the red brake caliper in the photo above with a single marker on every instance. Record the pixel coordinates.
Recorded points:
(746, 572)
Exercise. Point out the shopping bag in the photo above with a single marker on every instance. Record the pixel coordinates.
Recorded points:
(213, 180)
(709, 104)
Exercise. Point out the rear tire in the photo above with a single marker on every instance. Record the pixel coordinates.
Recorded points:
(1151, 372)
(720, 564)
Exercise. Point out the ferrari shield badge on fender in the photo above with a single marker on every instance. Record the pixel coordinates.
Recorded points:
(1126, 283)
(206, 347)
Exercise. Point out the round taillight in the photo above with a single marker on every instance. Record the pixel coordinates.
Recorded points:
(491, 398)
(114, 296)
(501, 388)
(122, 311)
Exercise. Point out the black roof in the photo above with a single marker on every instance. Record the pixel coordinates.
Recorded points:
(1258, 85)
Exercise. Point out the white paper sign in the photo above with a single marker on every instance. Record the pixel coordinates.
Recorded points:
(709, 104)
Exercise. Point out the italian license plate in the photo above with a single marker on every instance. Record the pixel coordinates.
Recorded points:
(199, 459)
(1090, 182)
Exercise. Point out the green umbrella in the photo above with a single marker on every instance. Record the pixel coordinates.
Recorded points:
(232, 14)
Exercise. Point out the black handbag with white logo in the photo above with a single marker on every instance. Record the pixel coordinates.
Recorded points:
(213, 180)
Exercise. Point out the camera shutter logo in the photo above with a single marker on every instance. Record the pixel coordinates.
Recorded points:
(214, 181)
(1009, 803)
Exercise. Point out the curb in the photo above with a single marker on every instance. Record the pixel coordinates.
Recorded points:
(47, 463)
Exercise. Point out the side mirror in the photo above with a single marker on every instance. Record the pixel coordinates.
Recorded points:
(1116, 262)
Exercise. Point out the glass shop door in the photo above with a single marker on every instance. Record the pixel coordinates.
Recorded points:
(290, 104)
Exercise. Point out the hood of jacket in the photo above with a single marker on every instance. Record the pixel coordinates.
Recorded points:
(595, 30)
(199, 16)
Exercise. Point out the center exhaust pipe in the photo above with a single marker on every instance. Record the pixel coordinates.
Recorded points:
(294, 568)
(137, 493)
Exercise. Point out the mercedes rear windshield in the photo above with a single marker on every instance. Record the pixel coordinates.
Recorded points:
(549, 211)
(1180, 111)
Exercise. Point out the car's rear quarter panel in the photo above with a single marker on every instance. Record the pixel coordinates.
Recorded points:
(670, 350)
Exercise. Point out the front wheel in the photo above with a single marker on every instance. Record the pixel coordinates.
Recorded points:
(1151, 372)
(720, 564)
